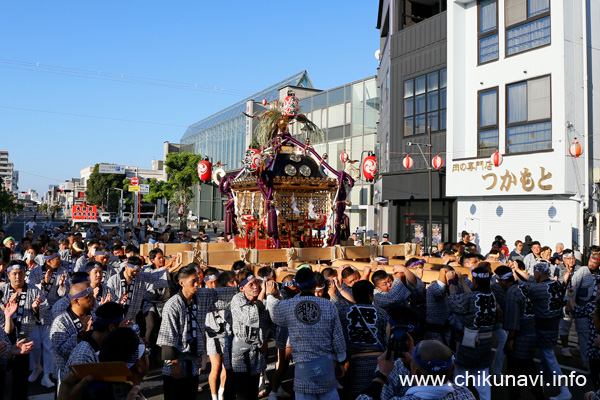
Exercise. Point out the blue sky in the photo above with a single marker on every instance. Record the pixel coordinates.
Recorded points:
(229, 49)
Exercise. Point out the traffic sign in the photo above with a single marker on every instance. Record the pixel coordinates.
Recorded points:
(144, 189)
(134, 188)
(134, 180)
(111, 169)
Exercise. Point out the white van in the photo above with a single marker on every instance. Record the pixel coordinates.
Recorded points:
(105, 217)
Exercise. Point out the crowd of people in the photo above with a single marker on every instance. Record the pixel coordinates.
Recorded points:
(72, 298)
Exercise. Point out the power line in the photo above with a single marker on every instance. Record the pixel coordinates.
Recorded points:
(116, 77)
(92, 116)
(40, 176)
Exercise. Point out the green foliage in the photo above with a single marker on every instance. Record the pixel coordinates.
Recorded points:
(7, 202)
(97, 187)
(57, 208)
(42, 208)
(158, 190)
(182, 169)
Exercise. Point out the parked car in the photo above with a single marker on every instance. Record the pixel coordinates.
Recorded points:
(126, 217)
(105, 217)
(191, 217)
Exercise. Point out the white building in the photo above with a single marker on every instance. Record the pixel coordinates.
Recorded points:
(519, 82)
(10, 177)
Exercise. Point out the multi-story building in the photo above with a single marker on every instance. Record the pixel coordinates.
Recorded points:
(412, 77)
(347, 114)
(9, 176)
(520, 79)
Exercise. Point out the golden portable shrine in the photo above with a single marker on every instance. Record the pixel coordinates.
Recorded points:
(286, 195)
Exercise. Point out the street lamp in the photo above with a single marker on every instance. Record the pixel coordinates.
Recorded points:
(429, 241)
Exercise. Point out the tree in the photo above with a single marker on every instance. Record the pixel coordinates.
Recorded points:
(182, 169)
(97, 188)
(7, 202)
(158, 190)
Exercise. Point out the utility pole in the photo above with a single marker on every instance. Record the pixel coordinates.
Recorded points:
(429, 169)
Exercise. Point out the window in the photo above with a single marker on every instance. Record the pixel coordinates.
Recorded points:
(488, 31)
(528, 116)
(487, 122)
(527, 25)
(425, 103)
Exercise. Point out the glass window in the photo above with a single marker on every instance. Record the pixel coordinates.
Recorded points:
(515, 11)
(420, 103)
(442, 120)
(357, 146)
(317, 118)
(527, 25)
(432, 81)
(409, 88)
(420, 124)
(409, 126)
(348, 90)
(426, 107)
(488, 49)
(409, 107)
(487, 122)
(488, 108)
(336, 96)
(336, 115)
(488, 31)
(433, 101)
(420, 85)
(529, 126)
(320, 100)
(348, 113)
(335, 133)
(488, 14)
(443, 98)
(517, 103)
(536, 7)
(306, 105)
(432, 120)
(488, 143)
(357, 108)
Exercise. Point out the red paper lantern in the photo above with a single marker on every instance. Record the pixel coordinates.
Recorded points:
(252, 160)
(408, 162)
(266, 222)
(264, 102)
(575, 149)
(344, 157)
(496, 159)
(437, 162)
(204, 170)
(291, 104)
(370, 167)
